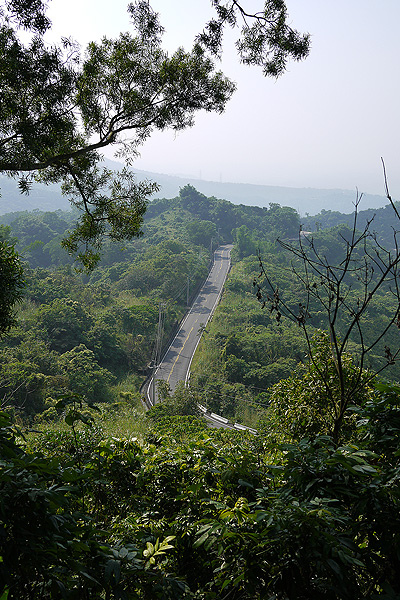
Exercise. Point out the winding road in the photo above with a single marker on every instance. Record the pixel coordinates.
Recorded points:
(176, 363)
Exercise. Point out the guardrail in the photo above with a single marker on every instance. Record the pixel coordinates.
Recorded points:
(224, 421)
(217, 419)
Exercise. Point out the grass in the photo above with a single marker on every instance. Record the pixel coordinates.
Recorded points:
(125, 418)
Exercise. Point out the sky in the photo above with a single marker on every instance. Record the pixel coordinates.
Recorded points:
(325, 123)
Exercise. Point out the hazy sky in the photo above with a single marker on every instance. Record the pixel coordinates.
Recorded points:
(325, 123)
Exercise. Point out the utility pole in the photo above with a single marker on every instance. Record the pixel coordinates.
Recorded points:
(158, 349)
(213, 239)
(187, 292)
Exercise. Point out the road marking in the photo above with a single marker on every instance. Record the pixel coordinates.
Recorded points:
(181, 350)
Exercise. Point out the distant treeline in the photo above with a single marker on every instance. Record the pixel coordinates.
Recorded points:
(382, 221)
(191, 218)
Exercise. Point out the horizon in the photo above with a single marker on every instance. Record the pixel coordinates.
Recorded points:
(324, 124)
(305, 200)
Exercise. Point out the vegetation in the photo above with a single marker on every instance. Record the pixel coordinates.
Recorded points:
(116, 503)
(245, 351)
(103, 501)
(93, 334)
(196, 513)
(11, 280)
(59, 109)
(343, 286)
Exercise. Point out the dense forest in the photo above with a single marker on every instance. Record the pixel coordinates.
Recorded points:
(114, 502)
(102, 499)
(94, 333)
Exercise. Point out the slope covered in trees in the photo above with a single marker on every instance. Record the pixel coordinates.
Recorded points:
(380, 218)
(79, 332)
(110, 317)
(170, 509)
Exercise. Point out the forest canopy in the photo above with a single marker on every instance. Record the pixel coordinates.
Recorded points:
(117, 503)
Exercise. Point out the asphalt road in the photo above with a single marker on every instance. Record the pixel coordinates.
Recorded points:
(175, 365)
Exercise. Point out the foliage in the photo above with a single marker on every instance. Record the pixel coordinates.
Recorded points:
(175, 224)
(85, 376)
(11, 284)
(182, 402)
(342, 286)
(59, 110)
(110, 509)
(307, 403)
(382, 219)
(38, 237)
(266, 38)
(49, 544)
(242, 516)
(184, 427)
(108, 322)
(243, 352)
(22, 385)
(114, 313)
(65, 323)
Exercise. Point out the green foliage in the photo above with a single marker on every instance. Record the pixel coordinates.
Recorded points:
(341, 276)
(49, 544)
(105, 341)
(28, 373)
(382, 219)
(161, 269)
(176, 224)
(11, 283)
(85, 376)
(61, 110)
(65, 323)
(199, 513)
(307, 403)
(118, 213)
(379, 421)
(283, 220)
(245, 243)
(201, 233)
(243, 352)
(179, 427)
(300, 540)
(266, 38)
(102, 315)
(39, 236)
(182, 402)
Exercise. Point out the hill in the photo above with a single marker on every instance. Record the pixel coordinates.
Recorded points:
(304, 200)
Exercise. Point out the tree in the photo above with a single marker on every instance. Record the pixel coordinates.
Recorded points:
(283, 219)
(11, 284)
(344, 291)
(201, 232)
(245, 243)
(86, 377)
(58, 111)
(266, 38)
(64, 324)
(301, 403)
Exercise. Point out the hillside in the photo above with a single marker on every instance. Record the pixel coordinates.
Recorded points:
(244, 352)
(304, 200)
(116, 503)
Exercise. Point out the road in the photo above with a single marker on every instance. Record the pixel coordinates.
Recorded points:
(175, 365)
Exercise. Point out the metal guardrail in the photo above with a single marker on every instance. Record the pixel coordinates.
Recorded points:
(213, 417)
(224, 422)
